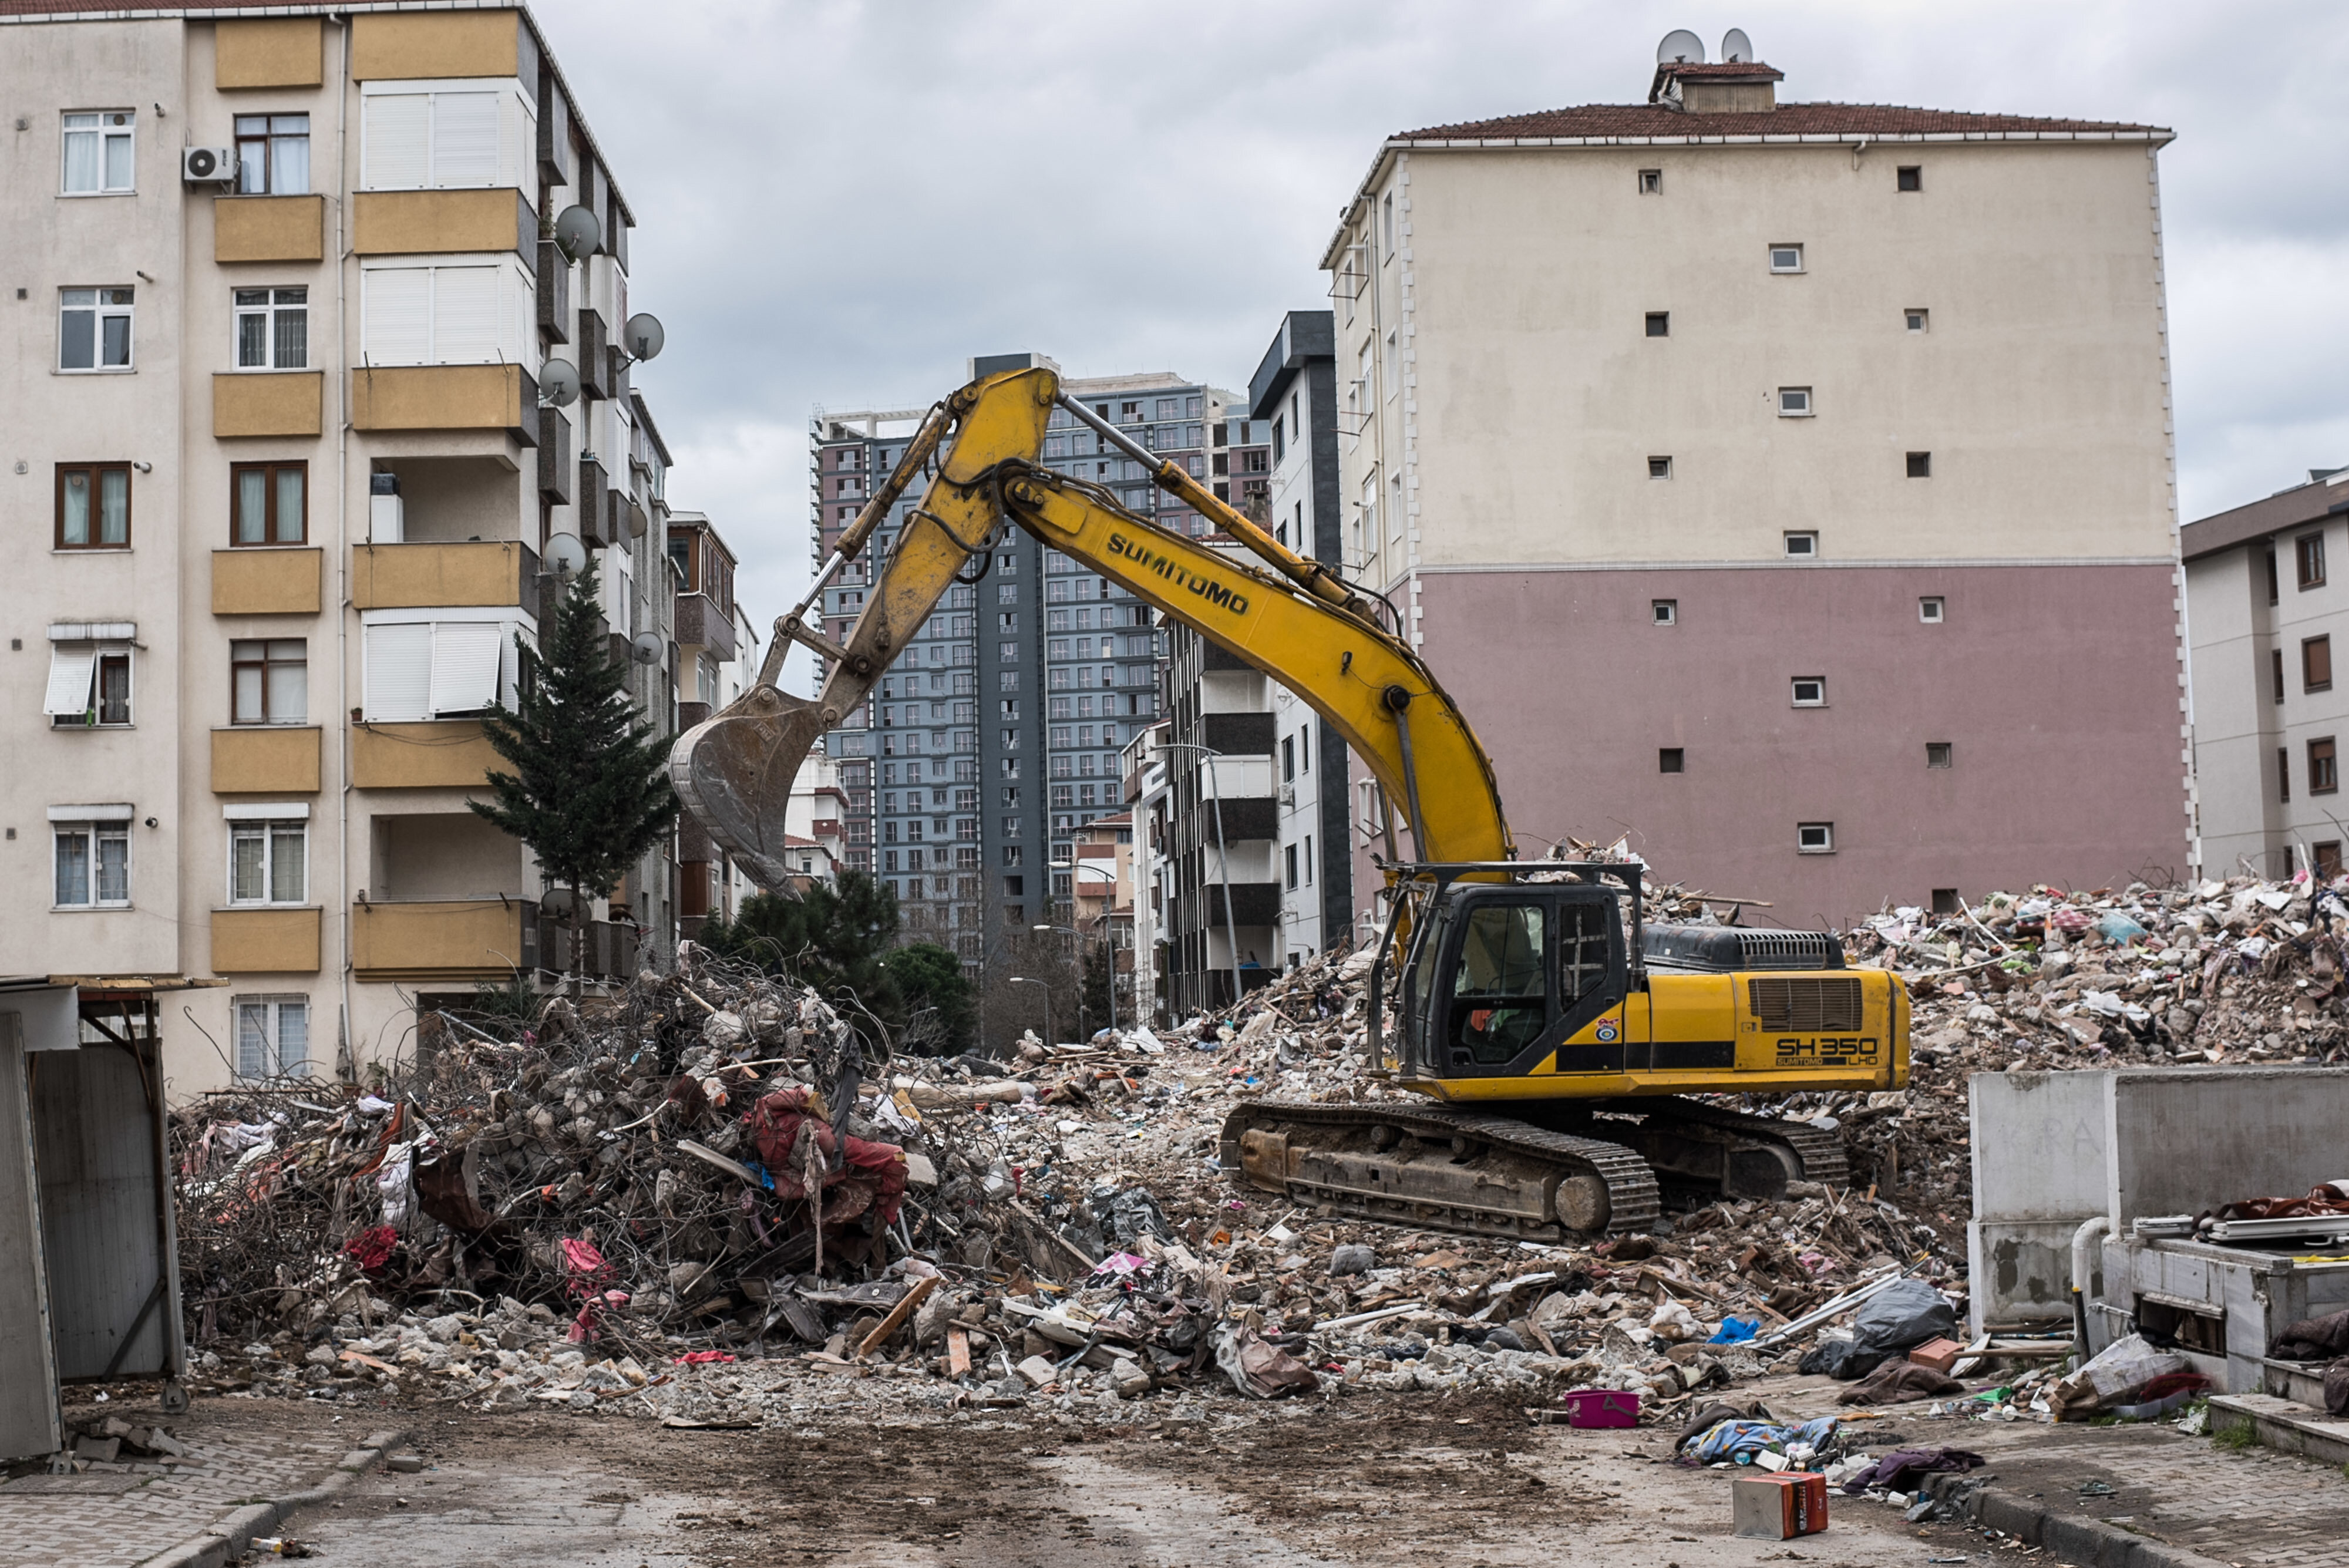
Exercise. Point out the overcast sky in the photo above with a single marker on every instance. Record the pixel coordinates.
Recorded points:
(839, 202)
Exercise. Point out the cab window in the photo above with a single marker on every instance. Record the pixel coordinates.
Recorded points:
(1500, 994)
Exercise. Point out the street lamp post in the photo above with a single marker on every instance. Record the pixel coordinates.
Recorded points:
(1108, 933)
(1023, 980)
(1215, 793)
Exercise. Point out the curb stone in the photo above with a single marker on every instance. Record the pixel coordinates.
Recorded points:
(225, 1540)
(2089, 1542)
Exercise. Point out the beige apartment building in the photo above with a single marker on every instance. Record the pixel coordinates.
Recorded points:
(282, 486)
(1783, 487)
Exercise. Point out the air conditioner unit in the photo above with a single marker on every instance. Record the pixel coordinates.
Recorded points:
(207, 165)
(1288, 795)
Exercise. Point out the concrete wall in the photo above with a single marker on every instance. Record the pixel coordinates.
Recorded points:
(2039, 1170)
(2186, 1139)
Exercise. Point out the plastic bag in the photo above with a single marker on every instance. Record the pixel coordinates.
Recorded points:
(2118, 1371)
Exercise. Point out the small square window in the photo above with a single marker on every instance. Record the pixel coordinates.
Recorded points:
(2327, 853)
(1671, 760)
(1932, 611)
(1659, 324)
(1921, 465)
(1946, 902)
(1660, 468)
(1810, 690)
(1651, 182)
(1908, 177)
(1666, 611)
(1786, 258)
(1937, 754)
(1917, 318)
(1794, 402)
(1802, 546)
(1814, 837)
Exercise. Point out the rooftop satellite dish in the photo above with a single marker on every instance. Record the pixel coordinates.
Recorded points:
(1682, 45)
(1736, 45)
(578, 231)
(558, 383)
(566, 555)
(642, 336)
(648, 648)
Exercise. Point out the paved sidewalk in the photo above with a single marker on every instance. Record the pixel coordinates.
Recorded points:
(2252, 1507)
(240, 1451)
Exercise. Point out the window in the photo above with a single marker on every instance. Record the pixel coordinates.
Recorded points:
(470, 313)
(1932, 611)
(2316, 664)
(268, 503)
(1651, 182)
(1946, 902)
(427, 141)
(2308, 556)
(434, 669)
(1288, 760)
(269, 682)
(272, 1037)
(1671, 760)
(2323, 775)
(1802, 546)
(1814, 838)
(1386, 224)
(1288, 855)
(273, 154)
(1794, 402)
(1666, 612)
(1660, 468)
(94, 328)
(2274, 583)
(1810, 690)
(1786, 258)
(93, 506)
(93, 858)
(2284, 774)
(1937, 754)
(1917, 318)
(1921, 465)
(273, 328)
(2275, 674)
(268, 860)
(1908, 177)
(2327, 852)
(98, 152)
(1659, 324)
(89, 686)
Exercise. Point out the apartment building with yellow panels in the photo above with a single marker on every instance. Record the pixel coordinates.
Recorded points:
(281, 486)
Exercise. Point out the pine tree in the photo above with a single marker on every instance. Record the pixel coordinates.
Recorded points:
(590, 792)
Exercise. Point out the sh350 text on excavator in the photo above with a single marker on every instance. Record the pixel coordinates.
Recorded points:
(1549, 1035)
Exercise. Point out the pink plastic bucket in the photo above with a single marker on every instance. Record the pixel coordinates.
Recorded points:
(1601, 1407)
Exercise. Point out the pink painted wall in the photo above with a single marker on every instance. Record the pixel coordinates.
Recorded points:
(2056, 686)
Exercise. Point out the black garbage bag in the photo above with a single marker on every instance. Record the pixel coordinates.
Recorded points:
(1134, 1214)
(1892, 1323)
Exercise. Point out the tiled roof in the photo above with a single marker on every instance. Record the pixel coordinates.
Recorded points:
(1642, 121)
(1733, 70)
(106, 7)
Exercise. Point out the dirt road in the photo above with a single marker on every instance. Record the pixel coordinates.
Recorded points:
(1360, 1481)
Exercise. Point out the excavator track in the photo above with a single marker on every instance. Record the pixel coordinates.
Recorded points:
(1438, 1168)
(1821, 1153)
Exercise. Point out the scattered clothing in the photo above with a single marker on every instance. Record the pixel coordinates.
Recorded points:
(1901, 1471)
(2336, 1388)
(2313, 1339)
(1896, 1381)
(1728, 1439)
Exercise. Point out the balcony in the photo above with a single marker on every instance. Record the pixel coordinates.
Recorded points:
(554, 292)
(268, 52)
(268, 228)
(688, 714)
(415, 46)
(266, 759)
(442, 939)
(595, 502)
(702, 624)
(442, 398)
(266, 581)
(271, 403)
(439, 753)
(442, 222)
(476, 573)
(265, 942)
(593, 342)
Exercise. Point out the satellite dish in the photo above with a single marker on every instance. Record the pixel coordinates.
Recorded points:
(1736, 45)
(566, 555)
(1679, 44)
(648, 648)
(642, 336)
(578, 231)
(558, 383)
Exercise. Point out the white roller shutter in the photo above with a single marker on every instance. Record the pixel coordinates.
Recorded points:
(395, 315)
(464, 666)
(70, 673)
(396, 141)
(465, 316)
(396, 679)
(465, 139)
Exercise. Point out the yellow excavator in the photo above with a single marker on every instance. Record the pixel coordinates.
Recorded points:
(1546, 1033)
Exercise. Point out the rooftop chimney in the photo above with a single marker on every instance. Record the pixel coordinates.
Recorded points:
(1739, 84)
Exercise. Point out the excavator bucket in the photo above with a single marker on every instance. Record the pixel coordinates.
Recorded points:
(734, 771)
